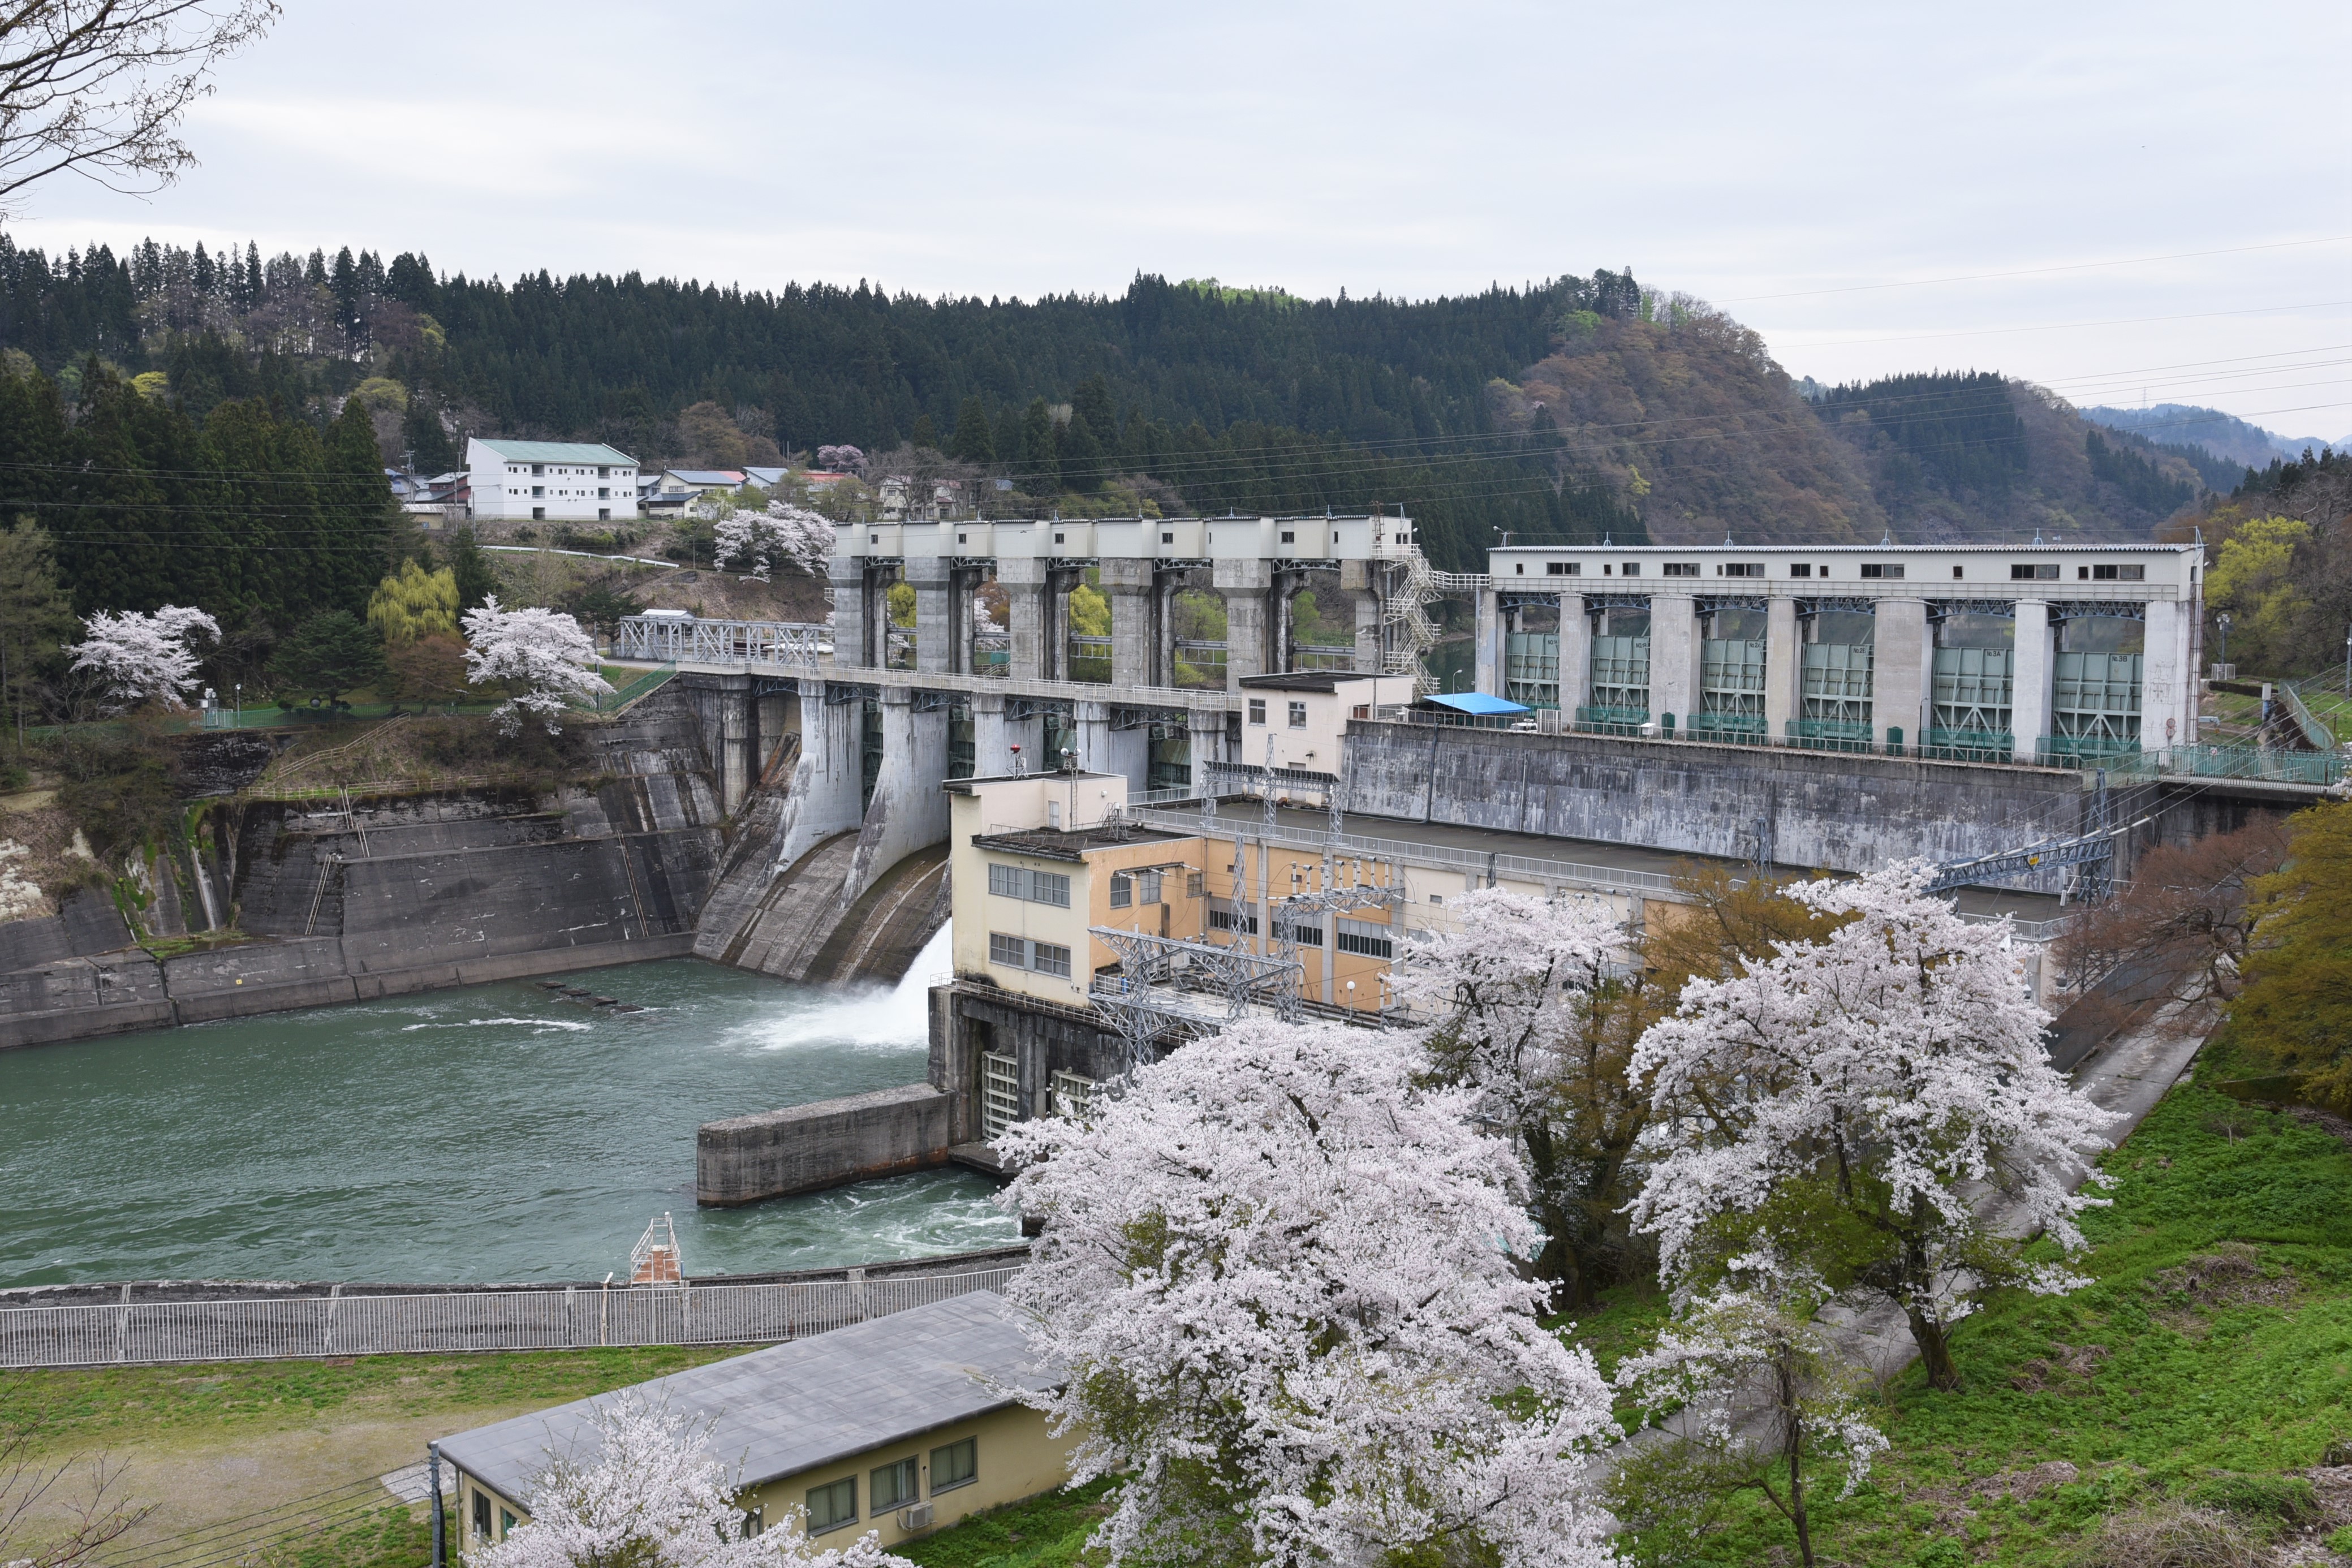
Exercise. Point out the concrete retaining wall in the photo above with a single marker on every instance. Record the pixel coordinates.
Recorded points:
(406, 894)
(806, 1148)
(1846, 813)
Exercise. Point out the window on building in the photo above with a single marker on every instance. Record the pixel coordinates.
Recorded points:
(1192, 884)
(1367, 940)
(1146, 887)
(1298, 715)
(895, 1485)
(755, 1520)
(507, 1523)
(2119, 573)
(1257, 710)
(1886, 569)
(538, 469)
(830, 1507)
(1290, 536)
(1564, 569)
(481, 1517)
(1743, 568)
(1632, 569)
(539, 514)
(956, 1465)
(1305, 933)
(1012, 951)
(1801, 569)
(1047, 959)
(1955, 573)
(1675, 569)
(1166, 538)
(1518, 568)
(1034, 886)
(1225, 917)
(1122, 890)
(2032, 570)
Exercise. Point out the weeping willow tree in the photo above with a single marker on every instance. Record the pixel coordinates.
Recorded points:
(414, 603)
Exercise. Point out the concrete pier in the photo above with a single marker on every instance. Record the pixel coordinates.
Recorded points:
(828, 1143)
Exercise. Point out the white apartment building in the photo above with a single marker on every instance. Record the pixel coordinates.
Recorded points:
(553, 482)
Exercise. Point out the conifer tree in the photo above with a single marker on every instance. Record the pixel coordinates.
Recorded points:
(972, 441)
(1041, 470)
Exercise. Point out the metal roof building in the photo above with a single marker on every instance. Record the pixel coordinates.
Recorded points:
(928, 1381)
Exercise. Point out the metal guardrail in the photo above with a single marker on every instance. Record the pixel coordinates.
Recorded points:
(1444, 857)
(166, 1332)
(660, 639)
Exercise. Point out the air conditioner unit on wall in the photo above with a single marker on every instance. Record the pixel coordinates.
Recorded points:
(915, 1518)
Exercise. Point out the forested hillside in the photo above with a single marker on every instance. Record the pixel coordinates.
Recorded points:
(1578, 408)
(1972, 455)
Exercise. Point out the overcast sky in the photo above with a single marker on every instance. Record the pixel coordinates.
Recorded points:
(1786, 162)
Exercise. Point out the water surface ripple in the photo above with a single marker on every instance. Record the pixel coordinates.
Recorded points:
(496, 1133)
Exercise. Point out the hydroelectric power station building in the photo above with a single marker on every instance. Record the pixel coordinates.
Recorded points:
(1977, 706)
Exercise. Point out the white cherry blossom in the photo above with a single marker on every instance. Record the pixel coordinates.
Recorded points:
(544, 651)
(1278, 1270)
(648, 1494)
(140, 658)
(1880, 1082)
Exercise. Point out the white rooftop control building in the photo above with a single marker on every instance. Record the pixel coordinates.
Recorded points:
(551, 482)
(2025, 653)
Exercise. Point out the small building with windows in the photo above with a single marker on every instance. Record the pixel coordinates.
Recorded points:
(551, 481)
(901, 1425)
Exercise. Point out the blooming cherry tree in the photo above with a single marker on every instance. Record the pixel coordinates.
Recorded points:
(1278, 1271)
(1846, 1103)
(142, 658)
(652, 1496)
(1519, 1005)
(543, 652)
(1747, 1391)
(842, 459)
(783, 534)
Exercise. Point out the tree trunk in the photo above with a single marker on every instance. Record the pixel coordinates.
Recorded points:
(1935, 1352)
(1794, 1430)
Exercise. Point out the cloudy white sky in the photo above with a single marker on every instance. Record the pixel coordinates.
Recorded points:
(2168, 187)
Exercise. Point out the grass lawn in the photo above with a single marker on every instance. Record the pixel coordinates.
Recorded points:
(2209, 1359)
(293, 1447)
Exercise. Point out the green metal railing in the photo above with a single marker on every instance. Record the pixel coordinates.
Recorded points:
(1830, 734)
(1605, 721)
(1947, 744)
(630, 692)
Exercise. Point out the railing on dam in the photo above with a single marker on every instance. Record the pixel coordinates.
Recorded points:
(441, 1323)
(666, 639)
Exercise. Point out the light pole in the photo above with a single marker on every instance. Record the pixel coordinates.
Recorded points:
(240, 704)
(2347, 663)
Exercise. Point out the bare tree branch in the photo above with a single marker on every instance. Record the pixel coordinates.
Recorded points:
(100, 87)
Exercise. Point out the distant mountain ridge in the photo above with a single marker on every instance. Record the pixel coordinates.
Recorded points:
(2223, 435)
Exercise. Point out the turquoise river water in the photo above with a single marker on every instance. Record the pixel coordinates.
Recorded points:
(496, 1133)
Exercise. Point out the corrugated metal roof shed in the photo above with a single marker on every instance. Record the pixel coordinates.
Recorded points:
(791, 1408)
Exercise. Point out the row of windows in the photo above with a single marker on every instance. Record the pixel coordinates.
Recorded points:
(892, 1486)
(1019, 953)
(1035, 886)
(538, 469)
(1298, 713)
(1365, 938)
(1871, 570)
(1129, 889)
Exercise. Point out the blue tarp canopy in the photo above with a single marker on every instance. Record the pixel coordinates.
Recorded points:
(1477, 704)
